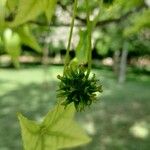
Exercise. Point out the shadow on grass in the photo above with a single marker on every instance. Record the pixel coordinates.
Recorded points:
(33, 100)
(112, 122)
(121, 126)
(120, 120)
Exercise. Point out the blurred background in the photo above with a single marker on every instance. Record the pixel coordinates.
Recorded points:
(32, 55)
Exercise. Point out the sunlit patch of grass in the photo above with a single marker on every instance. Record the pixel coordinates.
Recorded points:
(140, 130)
(112, 122)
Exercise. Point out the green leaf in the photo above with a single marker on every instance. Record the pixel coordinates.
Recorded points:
(11, 4)
(27, 38)
(138, 23)
(12, 44)
(30, 132)
(108, 2)
(102, 48)
(2, 13)
(27, 10)
(58, 130)
(82, 47)
(49, 8)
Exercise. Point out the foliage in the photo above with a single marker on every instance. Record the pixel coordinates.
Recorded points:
(44, 136)
(27, 38)
(2, 14)
(82, 49)
(31, 9)
(12, 40)
(108, 1)
(15, 15)
(27, 10)
(138, 23)
(49, 8)
(58, 124)
(121, 15)
(113, 38)
(12, 45)
(21, 12)
(14, 29)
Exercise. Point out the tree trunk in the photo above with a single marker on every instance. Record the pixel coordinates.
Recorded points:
(123, 65)
(116, 59)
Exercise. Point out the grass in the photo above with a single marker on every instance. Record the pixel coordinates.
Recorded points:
(118, 121)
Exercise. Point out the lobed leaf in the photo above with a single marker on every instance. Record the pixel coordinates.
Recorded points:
(27, 38)
(49, 8)
(11, 4)
(12, 44)
(27, 10)
(58, 130)
(2, 12)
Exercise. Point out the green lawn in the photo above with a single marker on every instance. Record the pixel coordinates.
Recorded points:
(118, 121)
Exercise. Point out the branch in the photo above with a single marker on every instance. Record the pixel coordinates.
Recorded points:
(44, 24)
(83, 21)
(108, 21)
(123, 17)
(64, 7)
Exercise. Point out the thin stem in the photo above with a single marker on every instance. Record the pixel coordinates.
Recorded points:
(99, 13)
(70, 35)
(89, 29)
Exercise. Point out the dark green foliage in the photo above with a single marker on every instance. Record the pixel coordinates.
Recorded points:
(108, 1)
(77, 87)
